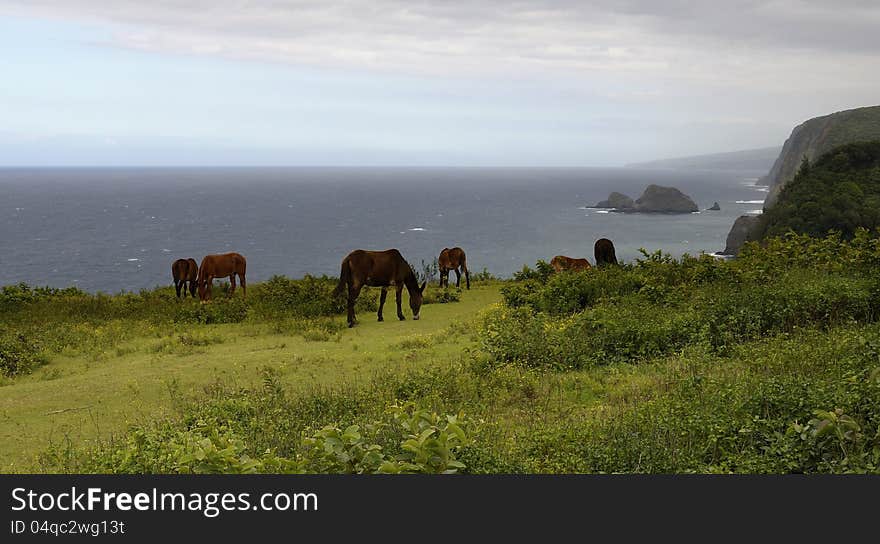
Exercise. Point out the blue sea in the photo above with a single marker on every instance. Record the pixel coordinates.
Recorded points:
(119, 229)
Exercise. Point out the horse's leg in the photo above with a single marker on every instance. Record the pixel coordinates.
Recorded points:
(382, 301)
(399, 296)
(243, 286)
(177, 285)
(467, 275)
(231, 284)
(353, 292)
(457, 278)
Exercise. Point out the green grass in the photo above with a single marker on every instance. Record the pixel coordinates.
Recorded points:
(86, 394)
(766, 364)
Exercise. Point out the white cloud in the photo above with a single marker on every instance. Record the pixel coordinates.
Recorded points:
(668, 39)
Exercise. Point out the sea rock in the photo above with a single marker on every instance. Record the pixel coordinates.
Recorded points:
(659, 199)
(616, 200)
(739, 233)
(715, 207)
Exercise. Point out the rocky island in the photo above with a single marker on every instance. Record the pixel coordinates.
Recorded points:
(655, 199)
(618, 201)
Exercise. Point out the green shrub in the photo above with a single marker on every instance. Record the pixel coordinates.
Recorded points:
(424, 442)
(308, 297)
(542, 271)
(219, 310)
(442, 296)
(19, 355)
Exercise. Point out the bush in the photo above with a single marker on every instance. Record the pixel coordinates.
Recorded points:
(219, 310)
(207, 442)
(19, 355)
(542, 271)
(637, 327)
(441, 296)
(308, 297)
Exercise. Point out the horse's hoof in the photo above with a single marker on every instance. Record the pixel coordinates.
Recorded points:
(350, 325)
(380, 318)
(400, 317)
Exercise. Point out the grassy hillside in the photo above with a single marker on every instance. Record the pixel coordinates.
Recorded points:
(768, 363)
(100, 363)
(838, 191)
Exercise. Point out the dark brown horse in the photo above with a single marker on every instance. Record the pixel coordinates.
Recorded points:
(453, 259)
(379, 269)
(604, 252)
(221, 266)
(183, 271)
(561, 262)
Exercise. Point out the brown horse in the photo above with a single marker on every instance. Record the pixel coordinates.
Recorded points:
(604, 252)
(183, 271)
(561, 262)
(379, 269)
(221, 266)
(453, 259)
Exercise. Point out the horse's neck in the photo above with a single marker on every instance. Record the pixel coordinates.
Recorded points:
(410, 281)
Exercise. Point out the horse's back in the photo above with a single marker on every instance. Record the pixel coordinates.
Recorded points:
(563, 262)
(223, 264)
(380, 267)
(451, 258)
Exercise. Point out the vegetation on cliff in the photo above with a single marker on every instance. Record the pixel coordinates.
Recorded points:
(818, 136)
(839, 191)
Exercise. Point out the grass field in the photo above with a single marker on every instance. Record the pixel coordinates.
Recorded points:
(91, 396)
(766, 364)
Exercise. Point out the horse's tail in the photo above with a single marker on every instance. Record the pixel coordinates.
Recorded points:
(344, 278)
(464, 268)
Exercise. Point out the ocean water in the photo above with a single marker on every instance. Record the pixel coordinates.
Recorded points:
(119, 229)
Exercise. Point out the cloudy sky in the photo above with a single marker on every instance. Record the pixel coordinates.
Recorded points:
(387, 82)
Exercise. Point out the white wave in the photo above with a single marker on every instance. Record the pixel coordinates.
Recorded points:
(603, 211)
(755, 212)
(166, 250)
(749, 201)
(763, 189)
(417, 229)
(132, 260)
(695, 213)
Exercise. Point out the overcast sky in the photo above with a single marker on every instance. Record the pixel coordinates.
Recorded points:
(386, 82)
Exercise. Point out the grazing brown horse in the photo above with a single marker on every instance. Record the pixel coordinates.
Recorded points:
(604, 252)
(561, 262)
(221, 266)
(379, 269)
(453, 259)
(183, 271)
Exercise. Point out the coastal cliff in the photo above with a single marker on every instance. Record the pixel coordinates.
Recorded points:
(816, 137)
(810, 139)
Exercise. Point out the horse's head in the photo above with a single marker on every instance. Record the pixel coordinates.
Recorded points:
(203, 289)
(415, 300)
